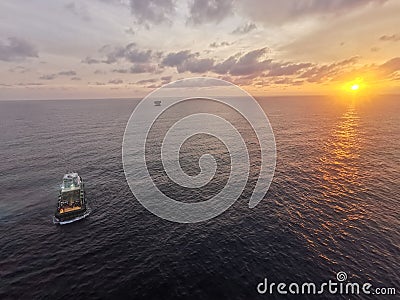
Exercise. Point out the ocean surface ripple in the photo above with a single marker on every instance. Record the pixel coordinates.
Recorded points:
(333, 206)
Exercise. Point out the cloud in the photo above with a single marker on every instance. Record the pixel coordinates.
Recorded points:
(239, 80)
(255, 66)
(195, 65)
(217, 45)
(251, 63)
(15, 49)
(390, 67)
(246, 28)
(130, 53)
(19, 69)
(145, 81)
(79, 10)
(185, 61)
(328, 71)
(121, 71)
(115, 81)
(67, 73)
(348, 68)
(137, 69)
(209, 11)
(286, 69)
(48, 77)
(176, 58)
(166, 79)
(89, 60)
(152, 11)
(393, 37)
(142, 68)
(197, 82)
(288, 81)
(264, 71)
(145, 61)
(114, 54)
(225, 66)
(280, 12)
(130, 31)
(345, 69)
(29, 84)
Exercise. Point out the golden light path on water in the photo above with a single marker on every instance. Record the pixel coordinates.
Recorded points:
(339, 165)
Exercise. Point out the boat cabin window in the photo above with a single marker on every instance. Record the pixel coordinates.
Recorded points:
(67, 183)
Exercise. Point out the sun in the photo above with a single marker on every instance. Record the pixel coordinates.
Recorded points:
(354, 86)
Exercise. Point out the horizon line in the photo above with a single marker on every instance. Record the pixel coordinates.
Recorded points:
(140, 98)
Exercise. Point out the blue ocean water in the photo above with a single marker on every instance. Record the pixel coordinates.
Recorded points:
(333, 206)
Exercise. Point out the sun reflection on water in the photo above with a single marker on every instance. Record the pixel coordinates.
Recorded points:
(342, 150)
(337, 209)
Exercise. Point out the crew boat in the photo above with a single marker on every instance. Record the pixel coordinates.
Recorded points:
(72, 205)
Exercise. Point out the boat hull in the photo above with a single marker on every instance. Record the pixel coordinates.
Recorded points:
(63, 221)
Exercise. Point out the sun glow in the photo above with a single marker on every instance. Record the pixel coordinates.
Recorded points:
(355, 86)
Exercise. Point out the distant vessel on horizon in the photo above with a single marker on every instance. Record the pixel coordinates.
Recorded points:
(72, 205)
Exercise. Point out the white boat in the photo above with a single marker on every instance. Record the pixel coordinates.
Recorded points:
(72, 203)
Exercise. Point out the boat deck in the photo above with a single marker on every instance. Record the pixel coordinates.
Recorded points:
(68, 209)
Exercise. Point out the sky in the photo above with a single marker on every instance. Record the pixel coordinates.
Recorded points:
(120, 48)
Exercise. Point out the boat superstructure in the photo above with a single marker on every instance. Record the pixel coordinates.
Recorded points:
(72, 205)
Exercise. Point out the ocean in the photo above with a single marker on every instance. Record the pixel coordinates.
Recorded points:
(333, 206)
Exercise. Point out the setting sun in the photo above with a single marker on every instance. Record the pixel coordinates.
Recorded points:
(354, 86)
